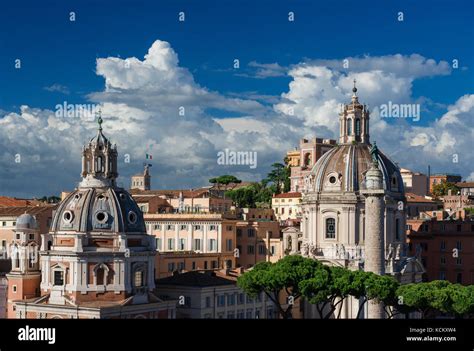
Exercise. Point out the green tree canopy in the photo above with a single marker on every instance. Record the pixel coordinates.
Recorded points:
(441, 189)
(275, 278)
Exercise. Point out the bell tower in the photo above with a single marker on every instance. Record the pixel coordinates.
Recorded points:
(354, 121)
(25, 277)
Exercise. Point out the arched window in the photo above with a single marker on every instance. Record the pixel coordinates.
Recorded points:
(357, 127)
(307, 159)
(100, 164)
(100, 276)
(349, 126)
(330, 228)
(16, 257)
(289, 243)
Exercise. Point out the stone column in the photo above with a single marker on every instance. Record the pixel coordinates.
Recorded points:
(374, 232)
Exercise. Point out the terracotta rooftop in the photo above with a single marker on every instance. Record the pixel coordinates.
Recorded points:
(417, 198)
(198, 279)
(147, 199)
(465, 185)
(19, 210)
(6, 201)
(287, 195)
(190, 193)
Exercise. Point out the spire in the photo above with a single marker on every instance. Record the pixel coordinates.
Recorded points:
(98, 114)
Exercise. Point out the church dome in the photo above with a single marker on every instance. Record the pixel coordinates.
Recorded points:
(343, 169)
(26, 221)
(98, 205)
(108, 210)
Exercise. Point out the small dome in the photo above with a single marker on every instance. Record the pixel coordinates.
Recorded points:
(104, 210)
(343, 169)
(26, 221)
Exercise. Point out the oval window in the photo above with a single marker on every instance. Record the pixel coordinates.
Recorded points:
(132, 217)
(332, 179)
(101, 217)
(68, 216)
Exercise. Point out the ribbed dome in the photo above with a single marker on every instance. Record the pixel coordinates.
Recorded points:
(26, 221)
(108, 210)
(343, 169)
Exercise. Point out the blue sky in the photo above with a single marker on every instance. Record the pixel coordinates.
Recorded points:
(59, 63)
(54, 50)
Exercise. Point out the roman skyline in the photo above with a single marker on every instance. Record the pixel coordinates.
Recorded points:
(173, 89)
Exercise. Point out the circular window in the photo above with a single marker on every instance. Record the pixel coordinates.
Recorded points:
(132, 217)
(122, 196)
(332, 179)
(77, 196)
(68, 216)
(101, 217)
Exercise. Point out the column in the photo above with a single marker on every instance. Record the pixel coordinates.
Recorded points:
(190, 238)
(204, 239)
(176, 235)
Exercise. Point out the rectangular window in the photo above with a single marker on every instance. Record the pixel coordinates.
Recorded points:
(229, 246)
(208, 301)
(171, 267)
(459, 261)
(205, 265)
(32, 236)
(182, 244)
(58, 278)
(197, 244)
(229, 228)
(459, 278)
(231, 300)
(250, 232)
(220, 300)
(261, 249)
(181, 266)
(250, 249)
(241, 299)
(18, 236)
(239, 232)
(170, 227)
(157, 226)
(193, 265)
(443, 245)
(158, 243)
(212, 245)
(272, 250)
(212, 227)
(214, 264)
(170, 244)
(183, 227)
(4, 224)
(459, 245)
(442, 260)
(197, 227)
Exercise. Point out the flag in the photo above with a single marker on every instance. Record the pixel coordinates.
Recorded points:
(149, 157)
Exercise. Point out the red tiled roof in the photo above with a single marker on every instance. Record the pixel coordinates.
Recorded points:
(465, 185)
(19, 210)
(417, 198)
(6, 201)
(147, 199)
(287, 195)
